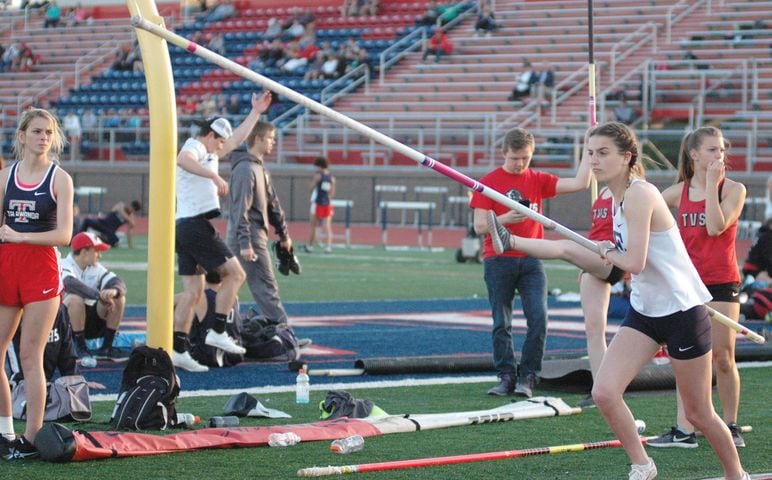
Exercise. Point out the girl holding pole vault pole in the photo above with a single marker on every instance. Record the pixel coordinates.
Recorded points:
(667, 301)
(709, 205)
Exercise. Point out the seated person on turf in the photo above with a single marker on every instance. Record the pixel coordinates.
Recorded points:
(94, 296)
(107, 226)
(204, 319)
(59, 355)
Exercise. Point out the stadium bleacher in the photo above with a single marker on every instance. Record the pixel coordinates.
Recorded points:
(456, 108)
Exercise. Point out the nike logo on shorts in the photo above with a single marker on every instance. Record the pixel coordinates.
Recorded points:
(734, 294)
(681, 349)
(47, 291)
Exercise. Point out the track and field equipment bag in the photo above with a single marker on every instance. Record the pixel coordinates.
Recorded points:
(67, 399)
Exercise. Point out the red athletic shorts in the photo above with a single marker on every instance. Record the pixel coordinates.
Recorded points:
(323, 211)
(29, 273)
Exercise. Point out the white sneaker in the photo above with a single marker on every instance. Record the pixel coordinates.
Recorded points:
(643, 472)
(224, 341)
(186, 362)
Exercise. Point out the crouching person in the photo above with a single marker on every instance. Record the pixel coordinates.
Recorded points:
(95, 298)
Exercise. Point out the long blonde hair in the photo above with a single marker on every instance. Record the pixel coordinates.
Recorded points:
(57, 138)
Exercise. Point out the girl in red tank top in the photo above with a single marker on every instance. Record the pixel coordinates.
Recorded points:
(708, 206)
(37, 200)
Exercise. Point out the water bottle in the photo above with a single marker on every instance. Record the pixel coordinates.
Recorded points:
(226, 421)
(350, 444)
(285, 439)
(302, 387)
(188, 419)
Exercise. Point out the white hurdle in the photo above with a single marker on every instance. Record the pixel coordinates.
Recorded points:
(459, 201)
(404, 206)
(381, 189)
(434, 190)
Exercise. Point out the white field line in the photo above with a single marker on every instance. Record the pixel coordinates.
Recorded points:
(408, 382)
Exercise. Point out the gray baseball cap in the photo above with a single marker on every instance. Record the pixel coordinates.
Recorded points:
(220, 126)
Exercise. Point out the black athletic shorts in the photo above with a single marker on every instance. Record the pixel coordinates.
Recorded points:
(95, 325)
(725, 292)
(197, 243)
(615, 275)
(687, 334)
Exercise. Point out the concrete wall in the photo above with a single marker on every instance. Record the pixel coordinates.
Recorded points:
(125, 181)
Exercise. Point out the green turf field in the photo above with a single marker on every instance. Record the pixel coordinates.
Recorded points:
(279, 463)
(374, 274)
(369, 273)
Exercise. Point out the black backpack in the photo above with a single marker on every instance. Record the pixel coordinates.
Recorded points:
(148, 393)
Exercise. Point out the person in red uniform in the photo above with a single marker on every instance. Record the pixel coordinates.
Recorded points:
(37, 198)
(709, 205)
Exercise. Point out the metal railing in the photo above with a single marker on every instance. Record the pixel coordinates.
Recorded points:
(629, 45)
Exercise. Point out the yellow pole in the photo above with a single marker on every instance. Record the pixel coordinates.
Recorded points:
(163, 151)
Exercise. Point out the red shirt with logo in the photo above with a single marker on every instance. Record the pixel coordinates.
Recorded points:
(531, 185)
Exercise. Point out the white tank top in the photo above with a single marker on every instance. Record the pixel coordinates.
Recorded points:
(668, 283)
(196, 194)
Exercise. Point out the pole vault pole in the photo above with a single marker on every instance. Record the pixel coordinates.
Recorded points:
(138, 22)
(456, 459)
(592, 90)
(469, 458)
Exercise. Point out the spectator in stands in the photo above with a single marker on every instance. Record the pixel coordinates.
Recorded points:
(525, 82)
(429, 18)
(314, 71)
(486, 21)
(362, 59)
(10, 58)
(233, 107)
(78, 16)
(206, 106)
(307, 17)
(546, 80)
(123, 60)
(72, 131)
(222, 11)
(624, 113)
(273, 30)
(272, 55)
(294, 59)
(89, 122)
(53, 15)
(217, 43)
(334, 66)
(439, 44)
(2, 58)
(188, 105)
(27, 58)
(369, 8)
(296, 29)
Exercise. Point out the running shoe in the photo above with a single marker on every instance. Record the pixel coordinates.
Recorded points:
(643, 472)
(736, 437)
(224, 341)
(500, 236)
(20, 449)
(186, 362)
(675, 438)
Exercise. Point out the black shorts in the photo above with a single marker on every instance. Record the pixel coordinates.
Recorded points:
(615, 275)
(197, 243)
(687, 334)
(95, 325)
(725, 292)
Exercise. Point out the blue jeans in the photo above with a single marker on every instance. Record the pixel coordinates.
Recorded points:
(504, 275)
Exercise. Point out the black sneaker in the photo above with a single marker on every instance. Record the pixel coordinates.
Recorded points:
(20, 449)
(5, 446)
(525, 385)
(112, 354)
(587, 402)
(505, 387)
(675, 438)
(500, 236)
(736, 437)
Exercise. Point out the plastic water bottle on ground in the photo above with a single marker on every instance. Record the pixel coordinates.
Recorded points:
(284, 439)
(188, 419)
(350, 444)
(302, 387)
(226, 421)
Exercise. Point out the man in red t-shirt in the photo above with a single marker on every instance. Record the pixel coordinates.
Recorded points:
(514, 270)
